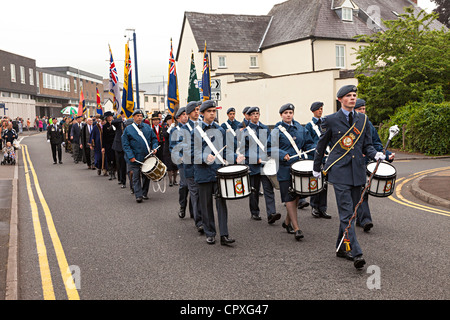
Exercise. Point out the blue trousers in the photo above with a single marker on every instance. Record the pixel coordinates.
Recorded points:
(269, 196)
(364, 215)
(140, 182)
(346, 198)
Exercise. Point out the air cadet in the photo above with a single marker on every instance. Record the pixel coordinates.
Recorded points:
(349, 134)
(364, 218)
(284, 150)
(314, 127)
(230, 126)
(255, 140)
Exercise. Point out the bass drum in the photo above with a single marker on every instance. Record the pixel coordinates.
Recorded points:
(383, 181)
(234, 182)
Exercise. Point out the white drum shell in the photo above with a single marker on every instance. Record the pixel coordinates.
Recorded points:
(383, 181)
(303, 181)
(234, 182)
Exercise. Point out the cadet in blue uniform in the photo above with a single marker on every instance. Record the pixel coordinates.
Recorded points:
(364, 218)
(349, 134)
(254, 155)
(314, 127)
(231, 126)
(282, 148)
(193, 112)
(205, 167)
(136, 149)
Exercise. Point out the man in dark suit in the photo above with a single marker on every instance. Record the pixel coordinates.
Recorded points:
(55, 137)
(349, 134)
(75, 136)
(120, 124)
(85, 145)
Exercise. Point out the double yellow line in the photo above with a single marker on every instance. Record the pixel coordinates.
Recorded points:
(400, 199)
(46, 279)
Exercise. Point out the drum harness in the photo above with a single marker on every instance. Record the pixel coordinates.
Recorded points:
(393, 131)
(211, 145)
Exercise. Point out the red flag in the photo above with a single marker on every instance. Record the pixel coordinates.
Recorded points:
(81, 104)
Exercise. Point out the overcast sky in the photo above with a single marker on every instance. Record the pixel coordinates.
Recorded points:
(77, 33)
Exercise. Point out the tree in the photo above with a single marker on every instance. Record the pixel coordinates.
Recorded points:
(401, 63)
(443, 10)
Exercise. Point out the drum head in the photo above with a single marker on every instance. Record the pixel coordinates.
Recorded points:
(303, 166)
(270, 168)
(149, 164)
(233, 169)
(384, 169)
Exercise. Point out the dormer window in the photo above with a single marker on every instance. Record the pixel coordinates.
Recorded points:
(347, 14)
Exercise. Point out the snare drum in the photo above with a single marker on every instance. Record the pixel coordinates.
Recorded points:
(303, 181)
(383, 181)
(270, 170)
(154, 169)
(234, 182)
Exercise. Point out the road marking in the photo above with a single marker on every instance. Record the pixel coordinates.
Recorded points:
(66, 274)
(403, 201)
(46, 278)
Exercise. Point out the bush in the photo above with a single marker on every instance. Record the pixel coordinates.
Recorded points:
(427, 128)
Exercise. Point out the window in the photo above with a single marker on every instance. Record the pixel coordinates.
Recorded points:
(154, 99)
(75, 85)
(13, 73)
(253, 62)
(22, 75)
(222, 61)
(347, 14)
(31, 74)
(340, 56)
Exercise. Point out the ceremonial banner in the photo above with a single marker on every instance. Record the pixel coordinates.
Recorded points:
(114, 89)
(99, 104)
(206, 77)
(193, 93)
(127, 93)
(81, 104)
(173, 99)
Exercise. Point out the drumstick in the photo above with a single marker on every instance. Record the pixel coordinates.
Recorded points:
(293, 157)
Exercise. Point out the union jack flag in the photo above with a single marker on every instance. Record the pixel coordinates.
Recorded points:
(206, 77)
(114, 82)
(173, 98)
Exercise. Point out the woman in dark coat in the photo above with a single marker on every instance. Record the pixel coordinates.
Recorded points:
(172, 168)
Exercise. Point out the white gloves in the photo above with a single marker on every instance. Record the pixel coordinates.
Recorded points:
(316, 174)
(380, 155)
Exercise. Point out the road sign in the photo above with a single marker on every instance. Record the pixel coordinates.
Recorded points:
(216, 89)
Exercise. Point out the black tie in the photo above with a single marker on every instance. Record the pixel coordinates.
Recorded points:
(319, 122)
(350, 118)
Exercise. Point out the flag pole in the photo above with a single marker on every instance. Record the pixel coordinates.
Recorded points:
(136, 70)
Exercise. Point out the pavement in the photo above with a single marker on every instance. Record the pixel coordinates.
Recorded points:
(432, 188)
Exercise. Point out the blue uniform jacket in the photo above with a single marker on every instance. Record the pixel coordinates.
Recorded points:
(351, 169)
(204, 172)
(251, 149)
(176, 137)
(280, 145)
(231, 139)
(377, 144)
(188, 151)
(134, 146)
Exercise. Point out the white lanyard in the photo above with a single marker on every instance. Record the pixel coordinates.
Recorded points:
(210, 144)
(283, 129)
(142, 136)
(253, 135)
(230, 129)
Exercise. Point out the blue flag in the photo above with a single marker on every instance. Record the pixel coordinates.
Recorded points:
(206, 77)
(173, 99)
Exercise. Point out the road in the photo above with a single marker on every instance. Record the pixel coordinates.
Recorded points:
(118, 249)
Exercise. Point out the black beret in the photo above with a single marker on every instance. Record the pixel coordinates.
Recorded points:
(245, 110)
(252, 109)
(108, 113)
(288, 106)
(180, 112)
(207, 105)
(138, 111)
(79, 117)
(168, 117)
(346, 89)
(360, 103)
(316, 106)
(231, 110)
(191, 106)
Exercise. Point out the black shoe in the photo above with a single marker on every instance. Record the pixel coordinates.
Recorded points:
(210, 240)
(273, 217)
(175, 183)
(54, 162)
(123, 186)
(367, 226)
(110, 177)
(182, 213)
(324, 214)
(145, 197)
(303, 204)
(255, 217)
(60, 162)
(288, 227)
(99, 171)
(132, 191)
(170, 184)
(200, 229)
(359, 262)
(299, 235)
(76, 162)
(344, 254)
(315, 213)
(138, 200)
(226, 240)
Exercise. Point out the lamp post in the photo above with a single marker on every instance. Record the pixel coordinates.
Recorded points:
(136, 67)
